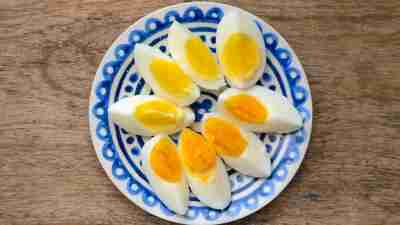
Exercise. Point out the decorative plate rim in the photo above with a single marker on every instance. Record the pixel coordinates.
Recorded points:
(109, 55)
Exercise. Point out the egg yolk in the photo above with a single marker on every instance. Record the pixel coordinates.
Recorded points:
(158, 115)
(201, 59)
(241, 57)
(164, 161)
(197, 155)
(226, 137)
(246, 108)
(171, 78)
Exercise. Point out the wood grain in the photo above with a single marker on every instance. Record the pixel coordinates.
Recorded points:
(49, 53)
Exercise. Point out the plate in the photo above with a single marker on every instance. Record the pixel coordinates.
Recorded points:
(120, 153)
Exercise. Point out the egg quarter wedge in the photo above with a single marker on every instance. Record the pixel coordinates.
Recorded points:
(149, 115)
(259, 109)
(205, 172)
(164, 76)
(240, 149)
(240, 49)
(194, 57)
(164, 171)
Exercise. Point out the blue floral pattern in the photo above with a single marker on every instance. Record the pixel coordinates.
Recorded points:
(248, 193)
(203, 105)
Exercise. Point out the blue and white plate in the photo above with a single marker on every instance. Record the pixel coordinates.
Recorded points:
(120, 153)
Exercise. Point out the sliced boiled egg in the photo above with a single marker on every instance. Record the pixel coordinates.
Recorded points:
(164, 171)
(194, 57)
(240, 49)
(240, 149)
(205, 172)
(164, 76)
(259, 109)
(149, 115)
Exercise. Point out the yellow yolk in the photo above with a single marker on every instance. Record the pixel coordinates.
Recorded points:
(246, 108)
(226, 137)
(158, 115)
(201, 59)
(196, 154)
(164, 161)
(171, 78)
(241, 57)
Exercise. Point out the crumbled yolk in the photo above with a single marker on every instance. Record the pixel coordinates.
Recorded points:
(241, 57)
(171, 78)
(226, 137)
(164, 161)
(246, 108)
(159, 115)
(197, 155)
(201, 59)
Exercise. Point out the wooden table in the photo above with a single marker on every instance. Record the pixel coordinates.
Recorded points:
(49, 52)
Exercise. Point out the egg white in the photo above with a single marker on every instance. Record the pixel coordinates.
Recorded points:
(178, 35)
(214, 193)
(238, 22)
(144, 55)
(122, 113)
(283, 117)
(254, 161)
(174, 195)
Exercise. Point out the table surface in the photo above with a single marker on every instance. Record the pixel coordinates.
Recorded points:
(49, 174)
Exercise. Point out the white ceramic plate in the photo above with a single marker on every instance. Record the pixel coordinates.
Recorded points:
(120, 153)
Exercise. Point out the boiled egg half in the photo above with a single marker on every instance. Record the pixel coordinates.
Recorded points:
(240, 49)
(259, 109)
(205, 172)
(164, 76)
(194, 57)
(240, 149)
(149, 115)
(164, 171)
